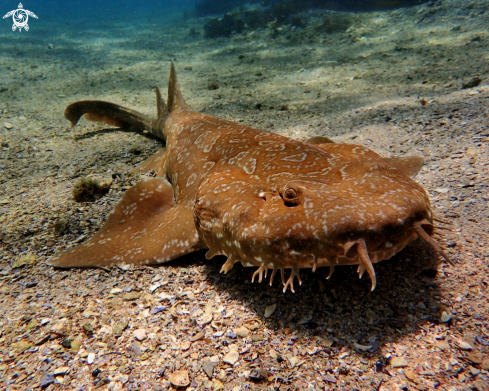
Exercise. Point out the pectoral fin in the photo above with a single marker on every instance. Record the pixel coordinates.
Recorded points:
(319, 140)
(155, 163)
(409, 166)
(146, 227)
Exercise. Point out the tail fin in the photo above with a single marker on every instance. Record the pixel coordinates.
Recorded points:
(175, 98)
(107, 113)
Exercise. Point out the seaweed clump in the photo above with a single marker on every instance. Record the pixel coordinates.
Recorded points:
(89, 189)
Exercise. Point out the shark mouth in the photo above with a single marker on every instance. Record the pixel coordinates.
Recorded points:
(356, 252)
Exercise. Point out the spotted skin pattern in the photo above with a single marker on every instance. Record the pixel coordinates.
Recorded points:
(258, 198)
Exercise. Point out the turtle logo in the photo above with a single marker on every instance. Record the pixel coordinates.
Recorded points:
(20, 17)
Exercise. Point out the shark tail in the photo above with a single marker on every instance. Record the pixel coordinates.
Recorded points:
(122, 117)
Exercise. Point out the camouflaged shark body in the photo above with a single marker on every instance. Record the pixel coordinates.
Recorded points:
(258, 198)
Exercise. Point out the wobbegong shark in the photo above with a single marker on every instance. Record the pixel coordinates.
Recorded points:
(258, 198)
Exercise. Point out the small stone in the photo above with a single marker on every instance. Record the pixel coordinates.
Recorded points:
(90, 358)
(464, 345)
(474, 371)
(475, 357)
(242, 332)
(115, 291)
(442, 345)
(140, 334)
(257, 337)
(208, 368)
(130, 296)
(421, 306)
(87, 327)
(8, 125)
(25, 260)
(485, 364)
(197, 337)
(119, 327)
(445, 317)
(270, 310)
(22, 345)
(46, 380)
(61, 371)
(231, 334)
(293, 360)
(76, 344)
(217, 385)
(398, 362)
(410, 374)
(179, 378)
(231, 358)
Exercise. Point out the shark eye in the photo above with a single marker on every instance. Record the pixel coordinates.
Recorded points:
(290, 197)
(290, 193)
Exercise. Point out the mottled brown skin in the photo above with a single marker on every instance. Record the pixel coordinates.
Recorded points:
(258, 198)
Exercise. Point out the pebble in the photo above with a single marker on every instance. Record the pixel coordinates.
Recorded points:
(475, 357)
(61, 371)
(242, 332)
(208, 368)
(119, 327)
(270, 310)
(140, 334)
(90, 358)
(46, 380)
(398, 362)
(180, 378)
(8, 125)
(445, 317)
(442, 345)
(464, 345)
(231, 358)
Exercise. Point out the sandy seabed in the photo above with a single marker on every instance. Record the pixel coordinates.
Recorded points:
(392, 82)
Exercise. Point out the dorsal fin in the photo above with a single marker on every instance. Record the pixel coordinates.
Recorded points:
(175, 98)
(160, 104)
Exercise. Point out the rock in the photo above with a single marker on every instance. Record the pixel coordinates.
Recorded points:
(242, 332)
(46, 380)
(231, 358)
(208, 368)
(410, 374)
(257, 337)
(475, 357)
(442, 345)
(293, 360)
(115, 291)
(8, 125)
(217, 385)
(90, 358)
(130, 296)
(398, 362)
(140, 334)
(22, 345)
(25, 260)
(179, 378)
(464, 345)
(119, 327)
(445, 317)
(197, 337)
(485, 364)
(61, 371)
(270, 310)
(474, 82)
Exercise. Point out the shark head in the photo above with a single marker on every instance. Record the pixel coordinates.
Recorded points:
(348, 210)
